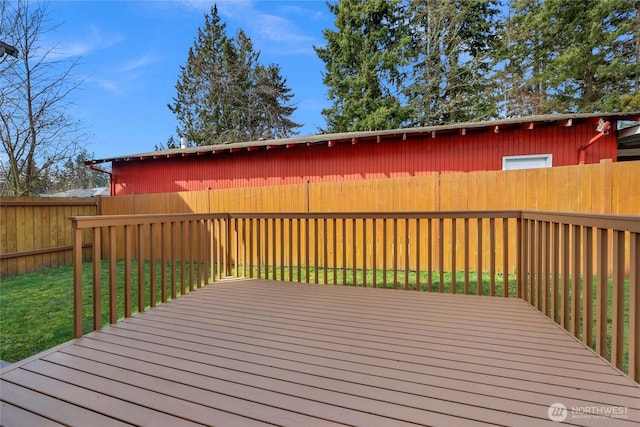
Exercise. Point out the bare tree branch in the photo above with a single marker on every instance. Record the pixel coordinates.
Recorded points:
(35, 130)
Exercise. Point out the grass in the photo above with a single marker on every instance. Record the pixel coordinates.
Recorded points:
(36, 309)
(347, 277)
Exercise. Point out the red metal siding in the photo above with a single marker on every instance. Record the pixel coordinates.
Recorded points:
(477, 150)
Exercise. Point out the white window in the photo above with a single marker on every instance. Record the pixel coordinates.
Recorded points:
(527, 162)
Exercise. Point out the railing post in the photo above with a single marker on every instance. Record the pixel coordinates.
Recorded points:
(492, 256)
(575, 281)
(539, 243)
(228, 246)
(555, 300)
(601, 292)
(617, 315)
(113, 317)
(127, 271)
(205, 248)
(172, 256)
(212, 249)
(139, 230)
(454, 238)
(505, 257)
(519, 258)
(97, 270)
(183, 261)
(634, 307)
(77, 279)
(479, 290)
(587, 294)
(565, 276)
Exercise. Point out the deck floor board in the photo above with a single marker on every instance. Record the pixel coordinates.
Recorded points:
(341, 335)
(256, 352)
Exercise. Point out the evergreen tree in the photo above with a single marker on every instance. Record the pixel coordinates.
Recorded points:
(587, 74)
(628, 46)
(569, 56)
(523, 54)
(224, 94)
(170, 144)
(451, 51)
(364, 60)
(258, 95)
(74, 174)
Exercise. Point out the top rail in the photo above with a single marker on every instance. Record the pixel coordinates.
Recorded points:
(382, 215)
(84, 222)
(614, 222)
(626, 222)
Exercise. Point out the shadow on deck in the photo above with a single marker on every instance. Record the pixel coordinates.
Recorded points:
(246, 352)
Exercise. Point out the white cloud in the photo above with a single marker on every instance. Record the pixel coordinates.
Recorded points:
(108, 85)
(235, 9)
(313, 15)
(278, 29)
(143, 61)
(267, 30)
(92, 41)
(202, 5)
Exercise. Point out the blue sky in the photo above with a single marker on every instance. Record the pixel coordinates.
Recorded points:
(131, 51)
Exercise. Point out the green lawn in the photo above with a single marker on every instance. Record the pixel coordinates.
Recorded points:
(36, 309)
(35, 312)
(347, 277)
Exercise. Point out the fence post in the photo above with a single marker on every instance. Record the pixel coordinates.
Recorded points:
(77, 279)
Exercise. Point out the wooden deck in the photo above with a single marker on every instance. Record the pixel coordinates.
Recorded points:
(248, 352)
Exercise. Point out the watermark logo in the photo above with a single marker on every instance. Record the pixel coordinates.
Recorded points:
(557, 412)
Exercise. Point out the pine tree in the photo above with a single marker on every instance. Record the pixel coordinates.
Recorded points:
(628, 47)
(587, 74)
(452, 46)
(221, 94)
(258, 95)
(73, 174)
(364, 61)
(569, 56)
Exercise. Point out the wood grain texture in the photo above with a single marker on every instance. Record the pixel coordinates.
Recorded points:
(256, 352)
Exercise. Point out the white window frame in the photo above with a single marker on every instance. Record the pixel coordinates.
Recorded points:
(547, 158)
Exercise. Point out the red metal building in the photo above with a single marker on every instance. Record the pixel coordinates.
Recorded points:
(539, 141)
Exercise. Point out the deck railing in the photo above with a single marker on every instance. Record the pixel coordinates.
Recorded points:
(406, 250)
(175, 253)
(550, 259)
(574, 265)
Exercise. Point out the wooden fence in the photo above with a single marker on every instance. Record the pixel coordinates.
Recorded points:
(36, 235)
(35, 232)
(607, 188)
(604, 188)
